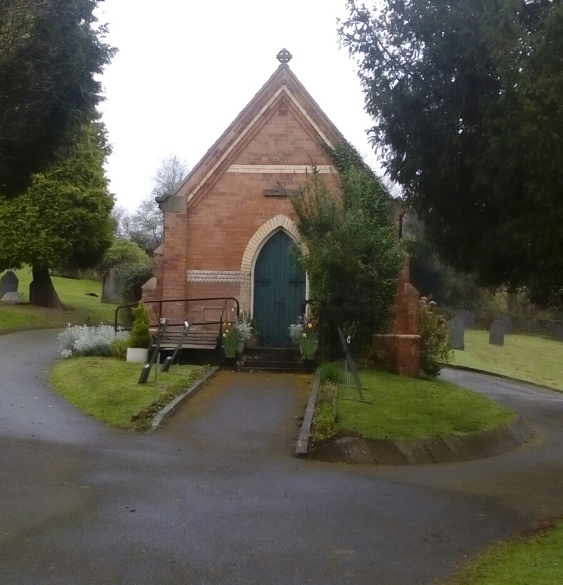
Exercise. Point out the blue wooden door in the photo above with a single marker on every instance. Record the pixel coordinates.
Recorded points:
(279, 291)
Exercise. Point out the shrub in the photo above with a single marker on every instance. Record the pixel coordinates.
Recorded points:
(124, 253)
(118, 348)
(331, 373)
(132, 277)
(434, 339)
(352, 252)
(83, 340)
(140, 334)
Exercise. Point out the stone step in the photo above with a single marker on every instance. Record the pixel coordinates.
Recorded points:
(271, 357)
(272, 363)
(279, 367)
(271, 350)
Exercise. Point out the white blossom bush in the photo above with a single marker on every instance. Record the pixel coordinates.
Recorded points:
(83, 340)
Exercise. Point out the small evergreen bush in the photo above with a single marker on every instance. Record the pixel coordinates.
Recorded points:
(140, 334)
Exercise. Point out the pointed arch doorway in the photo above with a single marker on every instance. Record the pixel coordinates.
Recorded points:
(279, 290)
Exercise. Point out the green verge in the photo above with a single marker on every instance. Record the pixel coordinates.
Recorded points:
(107, 389)
(80, 308)
(535, 560)
(533, 359)
(403, 407)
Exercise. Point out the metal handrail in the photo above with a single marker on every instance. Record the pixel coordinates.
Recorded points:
(187, 300)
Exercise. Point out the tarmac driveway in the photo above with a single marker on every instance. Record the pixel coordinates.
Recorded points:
(216, 498)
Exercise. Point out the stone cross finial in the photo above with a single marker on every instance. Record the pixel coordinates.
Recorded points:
(284, 56)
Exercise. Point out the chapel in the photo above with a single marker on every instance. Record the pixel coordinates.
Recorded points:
(230, 226)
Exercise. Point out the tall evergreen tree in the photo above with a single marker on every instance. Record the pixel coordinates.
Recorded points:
(51, 55)
(63, 220)
(466, 98)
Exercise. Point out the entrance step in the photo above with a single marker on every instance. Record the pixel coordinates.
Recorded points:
(273, 359)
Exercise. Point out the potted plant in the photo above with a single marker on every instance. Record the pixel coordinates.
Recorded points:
(243, 329)
(303, 333)
(230, 341)
(140, 339)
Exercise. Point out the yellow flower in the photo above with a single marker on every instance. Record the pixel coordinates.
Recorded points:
(310, 325)
(224, 335)
(305, 335)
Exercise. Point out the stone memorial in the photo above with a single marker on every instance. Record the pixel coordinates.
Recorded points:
(508, 325)
(457, 334)
(557, 331)
(496, 333)
(8, 283)
(110, 291)
(12, 298)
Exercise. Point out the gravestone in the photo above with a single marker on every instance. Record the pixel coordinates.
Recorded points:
(467, 317)
(8, 283)
(110, 291)
(508, 326)
(12, 298)
(496, 333)
(457, 333)
(557, 331)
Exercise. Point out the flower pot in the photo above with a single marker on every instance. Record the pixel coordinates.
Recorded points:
(240, 346)
(138, 355)
(308, 348)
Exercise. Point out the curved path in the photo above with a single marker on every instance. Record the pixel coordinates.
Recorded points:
(216, 498)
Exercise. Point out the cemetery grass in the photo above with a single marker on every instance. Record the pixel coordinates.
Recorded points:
(534, 559)
(400, 407)
(524, 357)
(107, 389)
(79, 307)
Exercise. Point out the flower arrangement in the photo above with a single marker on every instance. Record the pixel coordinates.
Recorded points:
(230, 340)
(304, 334)
(243, 327)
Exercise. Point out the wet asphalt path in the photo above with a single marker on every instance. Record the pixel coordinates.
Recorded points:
(216, 498)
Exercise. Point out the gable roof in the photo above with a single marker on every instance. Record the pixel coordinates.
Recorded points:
(283, 86)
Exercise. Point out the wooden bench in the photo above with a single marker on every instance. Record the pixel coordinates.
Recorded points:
(196, 339)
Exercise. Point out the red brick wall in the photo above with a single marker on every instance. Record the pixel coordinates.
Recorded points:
(403, 342)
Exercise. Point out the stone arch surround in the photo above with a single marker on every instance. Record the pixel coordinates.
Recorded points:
(257, 241)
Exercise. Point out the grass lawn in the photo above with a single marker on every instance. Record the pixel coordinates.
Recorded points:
(404, 407)
(533, 359)
(537, 560)
(73, 294)
(107, 389)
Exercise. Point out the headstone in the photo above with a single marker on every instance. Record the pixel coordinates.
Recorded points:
(457, 333)
(12, 298)
(496, 333)
(8, 283)
(111, 289)
(508, 326)
(557, 331)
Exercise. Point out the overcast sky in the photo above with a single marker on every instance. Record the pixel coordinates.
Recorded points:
(185, 70)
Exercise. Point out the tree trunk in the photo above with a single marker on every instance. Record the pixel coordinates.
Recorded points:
(41, 290)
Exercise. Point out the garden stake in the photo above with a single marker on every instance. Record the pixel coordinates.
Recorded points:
(351, 363)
